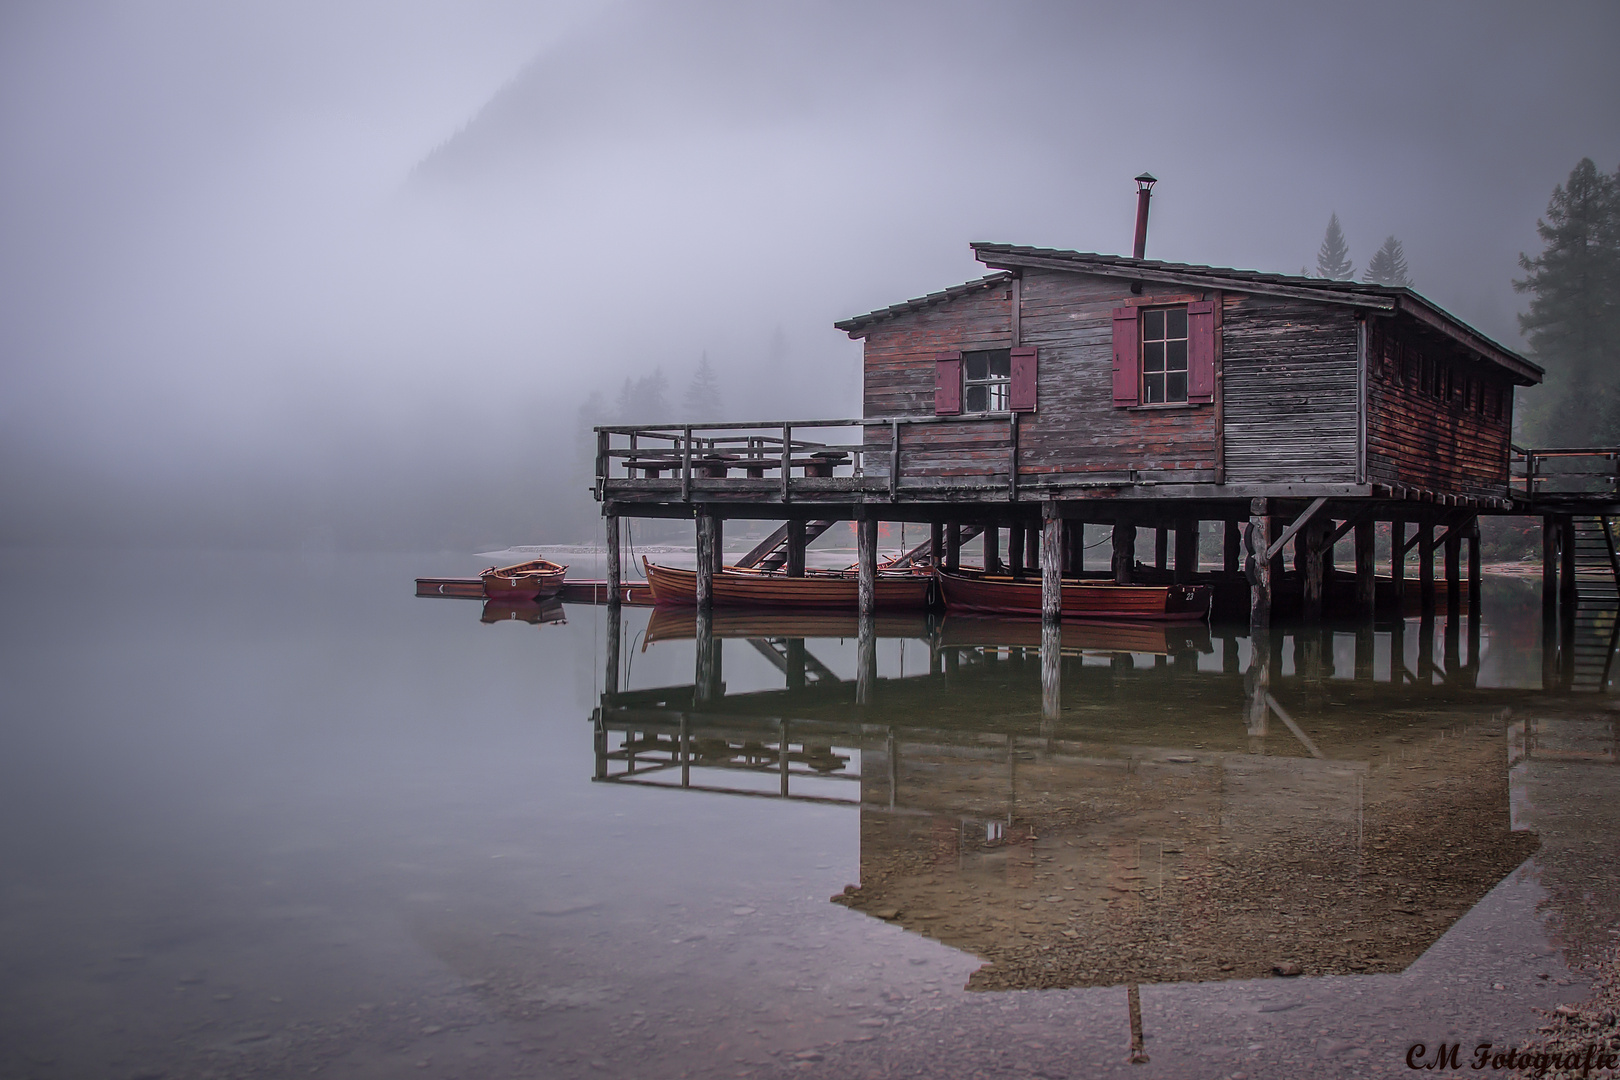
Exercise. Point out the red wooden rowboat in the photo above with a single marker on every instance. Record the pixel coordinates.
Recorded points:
(677, 587)
(532, 580)
(1081, 599)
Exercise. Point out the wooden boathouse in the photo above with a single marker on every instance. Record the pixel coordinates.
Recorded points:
(1066, 389)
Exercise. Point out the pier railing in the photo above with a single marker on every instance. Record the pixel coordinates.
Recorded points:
(1565, 470)
(778, 457)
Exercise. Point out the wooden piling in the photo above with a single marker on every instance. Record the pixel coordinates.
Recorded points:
(1124, 551)
(1161, 548)
(1230, 543)
(705, 560)
(795, 548)
(1366, 579)
(1566, 556)
(1257, 539)
(953, 547)
(1549, 567)
(1015, 549)
(1474, 580)
(1453, 576)
(992, 548)
(936, 543)
(610, 528)
(1032, 548)
(1186, 550)
(1313, 542)
(866, 569)
(717, 543)
(1051, 563)
(1426, 568)
(1397, 563)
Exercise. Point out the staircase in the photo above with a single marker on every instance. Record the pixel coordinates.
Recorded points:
(1597, 604)
(771, 553)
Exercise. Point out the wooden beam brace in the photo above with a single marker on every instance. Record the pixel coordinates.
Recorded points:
(1299, 523)
(1349, 523)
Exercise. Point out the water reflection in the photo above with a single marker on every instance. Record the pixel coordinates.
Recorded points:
(1095, 805)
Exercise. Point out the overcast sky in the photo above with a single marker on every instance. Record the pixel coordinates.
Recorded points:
(280, 266)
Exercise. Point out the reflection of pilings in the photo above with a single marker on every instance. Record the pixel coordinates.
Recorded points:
(1365, 641)
(1257, 683)
(795, 663)
(610, 675)
(866, 659)
(1397, 650)
(1473, 577)
(1051, 675)
(706, 678)
(1453, 648)
(599, 743)
(1425, 657)
(1229, 655)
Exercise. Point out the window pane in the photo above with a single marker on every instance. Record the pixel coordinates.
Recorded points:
(1177, 320)
(1175, 386)
(1176, 355)
(1152, 389)
(1153, 356)
(1153, 324)
(975, 364)
(977, 398)
(998, 396)
(1001, 363)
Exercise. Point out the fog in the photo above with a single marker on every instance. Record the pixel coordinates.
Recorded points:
(345, 275)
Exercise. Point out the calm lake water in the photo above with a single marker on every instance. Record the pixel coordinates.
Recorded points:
(275, 816)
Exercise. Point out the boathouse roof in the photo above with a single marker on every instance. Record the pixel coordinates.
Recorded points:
(1378, 298)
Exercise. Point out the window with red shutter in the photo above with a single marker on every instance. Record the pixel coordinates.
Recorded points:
(1127, 358)
(948, 384)
(1021, 392)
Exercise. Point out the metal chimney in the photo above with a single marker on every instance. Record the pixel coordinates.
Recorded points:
(1144, 192)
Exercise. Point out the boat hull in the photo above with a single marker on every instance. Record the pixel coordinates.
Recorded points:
(533, 580)
(676, 587)
(1081, 599)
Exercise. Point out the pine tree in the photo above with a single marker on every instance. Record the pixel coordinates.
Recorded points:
(644, 400)
(702, 399)
(1333, 257)
(1388, 266)
(1573, 324)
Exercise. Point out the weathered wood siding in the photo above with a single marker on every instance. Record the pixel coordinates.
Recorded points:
(1439, 419)
(1076, 429)
(1289, 381)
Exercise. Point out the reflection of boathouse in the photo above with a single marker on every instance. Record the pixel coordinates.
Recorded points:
(1173, 821)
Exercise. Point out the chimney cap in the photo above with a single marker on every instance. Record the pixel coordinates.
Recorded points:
(1146, 181)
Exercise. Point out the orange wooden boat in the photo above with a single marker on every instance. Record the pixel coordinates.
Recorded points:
(1081, 599)
(532, 580)
(733, 587)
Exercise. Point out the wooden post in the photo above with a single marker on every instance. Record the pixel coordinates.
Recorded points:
(1313, 539)
(953, 547)
(1426, 566)
(992, 548)
(611, 529)
(1566, 569)
(1186, 550)
(936, 544)
(866, 556)
(795, 548)
(1161, 548)
(1124, 550)
(1230, 543)
(1257, 567)
(1397, 564)
(1473, 577)
(717, 547)
(1366, 578)
(1015, 549)
(1032, 548)
(1051, 564)
(1549, 568)
(1276, 527)
(1074, 547)
(705, 560)
(1453, 578)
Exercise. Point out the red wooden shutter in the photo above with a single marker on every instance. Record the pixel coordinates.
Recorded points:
(1201, 351)
(1021, 393)
(948, 384)
(1127, 358)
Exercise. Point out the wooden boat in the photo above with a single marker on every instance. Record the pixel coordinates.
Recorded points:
(1081, 599)
(532, 580)
(733, 587)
